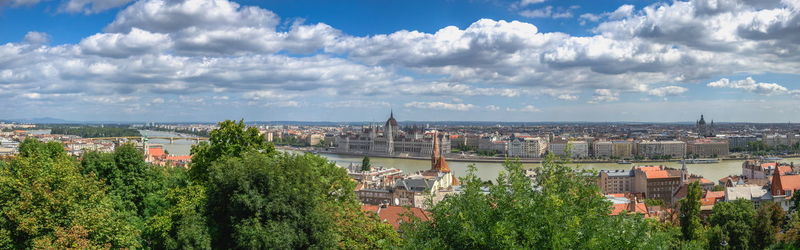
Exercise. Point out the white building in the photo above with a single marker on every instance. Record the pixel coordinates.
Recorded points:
(527, 147)
(661, 148)
(578, 149)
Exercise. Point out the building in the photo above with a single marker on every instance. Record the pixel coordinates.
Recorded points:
(755, 193)
(658, 182)
(783, 187)
(651, 149)
(577, 149)
(622, 149)
(740, 142)
(616, 181)
(755, 169)
(394, 215)
(527, 147)
(315, 139)
(703, 129)
(603, 149)
(415, 190)
(390, 140)
(708, 148)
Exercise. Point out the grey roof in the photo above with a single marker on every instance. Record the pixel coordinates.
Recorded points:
(747, 192)
(416, 185)
(618, 173)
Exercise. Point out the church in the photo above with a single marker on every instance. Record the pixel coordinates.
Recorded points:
(391, 140)
(703, 129)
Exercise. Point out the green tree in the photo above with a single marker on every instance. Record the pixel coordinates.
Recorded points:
(47, 203)
(231, 139)
(733, 222)
(365, 165)
(690, 213)
(561, 209)
(287, 201)
(769, 220)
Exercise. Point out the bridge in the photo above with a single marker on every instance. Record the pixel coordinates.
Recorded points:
(141, 138)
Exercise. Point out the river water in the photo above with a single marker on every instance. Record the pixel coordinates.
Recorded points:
(177, 147)
(486, 171)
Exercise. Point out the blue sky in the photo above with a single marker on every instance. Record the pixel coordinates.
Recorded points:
(527, 60)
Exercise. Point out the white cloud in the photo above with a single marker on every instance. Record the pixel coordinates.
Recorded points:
(750, 85)
(37, 38)
(527, 108)
(523, 3)
(355, 104)
(135, 42)
(604, 95)
(546, 12)
(667, 91)
(567, 97)
(492, 108)
(92, 6)
(440, 106)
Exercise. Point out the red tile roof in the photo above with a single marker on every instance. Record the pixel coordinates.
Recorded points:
(179, 158)
(618, 208)
(789, 182)
(785, 169)
(156, 152)
(395, 215)
(655, 174)
(649, 168)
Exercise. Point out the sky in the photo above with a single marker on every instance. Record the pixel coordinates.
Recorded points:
(478, 60)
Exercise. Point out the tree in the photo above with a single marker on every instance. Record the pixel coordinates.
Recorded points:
(769, 220)
(734, 221)
(561, 209)
(365, 165)
(285, 200)
(47, 203)
(231, 139)
(690, 213)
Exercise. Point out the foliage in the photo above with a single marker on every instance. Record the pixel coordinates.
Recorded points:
(91, 131)
(283, 200)
(769, 220)
(231, 139)
(732, 224)
(47, 203)
(654, 202)
(690, 213)
(365, 165)
(561, 209)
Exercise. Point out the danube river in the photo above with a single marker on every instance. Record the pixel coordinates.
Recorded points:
(486, 171)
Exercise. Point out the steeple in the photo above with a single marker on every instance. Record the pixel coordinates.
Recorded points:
(435, 152)
(777, 186)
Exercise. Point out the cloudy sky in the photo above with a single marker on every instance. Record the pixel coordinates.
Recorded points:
(524, 60)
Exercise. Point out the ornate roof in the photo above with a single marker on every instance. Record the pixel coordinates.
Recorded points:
(391, 120)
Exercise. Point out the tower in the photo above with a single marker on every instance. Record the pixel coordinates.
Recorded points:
(435, 152)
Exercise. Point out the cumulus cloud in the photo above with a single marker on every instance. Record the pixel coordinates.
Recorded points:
(440, 106)
(219, 47)
(604, 95)
(526, 108)
(547, 12)
(135, 42)
(750, 85)
(667, 91)
(567, 97)
(355, 104)
(92, 6)
(37, 38)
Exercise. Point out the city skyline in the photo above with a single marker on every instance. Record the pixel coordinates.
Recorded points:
(508, 61)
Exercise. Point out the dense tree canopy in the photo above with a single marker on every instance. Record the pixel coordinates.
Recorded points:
(560, 209)
(47, 203)
(231, 139)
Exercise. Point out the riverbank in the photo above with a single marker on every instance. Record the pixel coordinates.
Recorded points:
(459, 158)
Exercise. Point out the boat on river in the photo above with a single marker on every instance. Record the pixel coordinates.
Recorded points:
(624, 162)
(699, 161)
